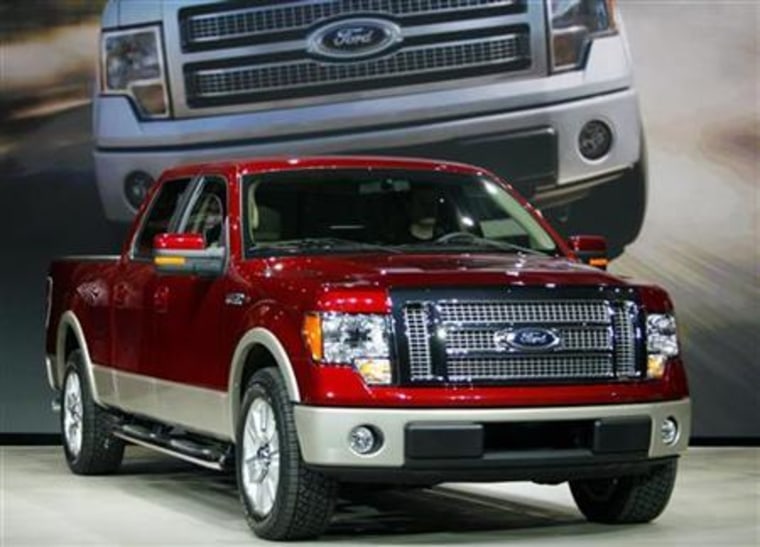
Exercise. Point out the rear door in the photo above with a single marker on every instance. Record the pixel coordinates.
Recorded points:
(132, 302)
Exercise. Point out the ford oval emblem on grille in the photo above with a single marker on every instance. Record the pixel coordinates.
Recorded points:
(349, 39)
(527, 339)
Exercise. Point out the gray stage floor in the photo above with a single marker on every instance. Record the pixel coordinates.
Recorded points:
(157, 501)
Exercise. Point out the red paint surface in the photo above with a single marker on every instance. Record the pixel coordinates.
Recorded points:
(178, 328)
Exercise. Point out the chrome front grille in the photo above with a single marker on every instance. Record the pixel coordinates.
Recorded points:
(262, 54)
(462, 341)
(299, 16)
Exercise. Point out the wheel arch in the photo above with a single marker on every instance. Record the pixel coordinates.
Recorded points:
(255, 340)
(70, 336)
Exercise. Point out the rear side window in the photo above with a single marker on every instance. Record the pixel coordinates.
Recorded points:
(163, 213)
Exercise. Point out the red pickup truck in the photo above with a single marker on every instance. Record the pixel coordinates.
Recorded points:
(318, 321)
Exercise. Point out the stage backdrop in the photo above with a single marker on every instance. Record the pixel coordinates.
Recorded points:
(697, 74)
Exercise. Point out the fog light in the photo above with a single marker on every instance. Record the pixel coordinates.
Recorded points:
(136, 187)
(595, 140)
(364, 440)
(669, 431)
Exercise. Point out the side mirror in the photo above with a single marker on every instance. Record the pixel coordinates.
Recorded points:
(186, 254)
(590, 249)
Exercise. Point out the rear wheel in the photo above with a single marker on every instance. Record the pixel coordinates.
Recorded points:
(88, 444)
(282, 499)
(626, 500)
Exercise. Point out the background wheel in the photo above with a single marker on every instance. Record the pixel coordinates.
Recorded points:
(282, 499)
(88, 444)
(626, 500)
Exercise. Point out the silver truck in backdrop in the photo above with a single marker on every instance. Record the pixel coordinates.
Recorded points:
(538, 91)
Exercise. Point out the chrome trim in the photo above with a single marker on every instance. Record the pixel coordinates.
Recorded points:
(533, 16)
(360, 71)
(323, 431)
(197, 461)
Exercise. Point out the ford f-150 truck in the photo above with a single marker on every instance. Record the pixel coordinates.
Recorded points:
(317, 321)
(539, 92)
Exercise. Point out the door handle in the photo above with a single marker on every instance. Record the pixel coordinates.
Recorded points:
(236, 299)
(161, 299)
(120, 296)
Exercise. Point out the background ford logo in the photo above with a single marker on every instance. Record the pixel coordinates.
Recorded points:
(530, 338)
(354, 38)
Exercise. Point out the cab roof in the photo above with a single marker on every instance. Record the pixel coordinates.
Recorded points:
(289, 163)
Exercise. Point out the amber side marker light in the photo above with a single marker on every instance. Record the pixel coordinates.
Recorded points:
(598, 262)
(169, 260)
(312, 335)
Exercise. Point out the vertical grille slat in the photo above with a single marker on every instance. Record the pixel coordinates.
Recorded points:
(597, 340)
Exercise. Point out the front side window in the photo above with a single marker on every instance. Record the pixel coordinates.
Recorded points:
(161, 215)
(348, 210)
(208, 212)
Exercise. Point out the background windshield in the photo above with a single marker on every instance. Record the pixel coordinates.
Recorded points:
(407, 209)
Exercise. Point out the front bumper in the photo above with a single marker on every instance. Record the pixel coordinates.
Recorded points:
(435, 445)
(532, 147)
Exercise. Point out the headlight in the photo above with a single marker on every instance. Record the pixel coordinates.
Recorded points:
(359, 340)
(662, 342)
(132, 65)
(574, 24)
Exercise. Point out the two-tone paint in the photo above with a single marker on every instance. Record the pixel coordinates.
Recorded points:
(178, 349)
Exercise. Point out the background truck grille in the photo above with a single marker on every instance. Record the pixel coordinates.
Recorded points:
(440, 43)
(458, 341)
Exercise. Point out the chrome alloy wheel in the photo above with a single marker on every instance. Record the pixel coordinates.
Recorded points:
(72, 414)
(261, 457)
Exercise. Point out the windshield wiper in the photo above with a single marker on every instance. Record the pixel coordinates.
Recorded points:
(460, 239)
(318, 244)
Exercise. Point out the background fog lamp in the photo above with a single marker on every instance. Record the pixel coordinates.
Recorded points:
(595, 140)
(136, 186)
(363, 440)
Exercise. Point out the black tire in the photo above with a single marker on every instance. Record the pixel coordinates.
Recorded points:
(99, 452)
(626, 500)
(304, 499)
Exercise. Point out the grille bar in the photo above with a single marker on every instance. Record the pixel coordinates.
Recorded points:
(203, 28)
(288, 76)
(535, 312)
(552, 367)
(481, 341)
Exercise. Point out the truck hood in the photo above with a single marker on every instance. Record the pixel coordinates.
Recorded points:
(437, 270)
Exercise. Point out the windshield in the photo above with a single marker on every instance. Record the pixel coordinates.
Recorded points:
(352, 210)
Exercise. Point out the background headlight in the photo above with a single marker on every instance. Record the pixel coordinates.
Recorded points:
(574, 24)
(132, 64)
(662, 342)
(358, 340)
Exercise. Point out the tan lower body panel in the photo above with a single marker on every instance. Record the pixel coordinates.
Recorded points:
(197, 409)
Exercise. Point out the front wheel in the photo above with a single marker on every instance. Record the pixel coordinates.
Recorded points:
(626, 500)
(281, 497)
